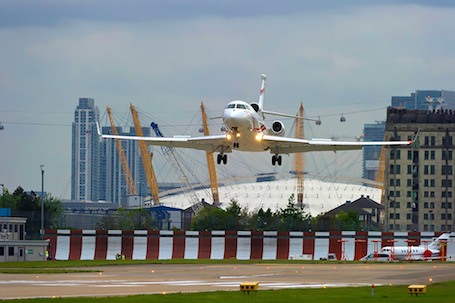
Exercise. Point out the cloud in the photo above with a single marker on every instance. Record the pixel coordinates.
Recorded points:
(335, 59)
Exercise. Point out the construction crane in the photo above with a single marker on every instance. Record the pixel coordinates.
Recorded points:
(121, 152)
(210, 161)
(187, 186)
(298, 158)
(146, 158)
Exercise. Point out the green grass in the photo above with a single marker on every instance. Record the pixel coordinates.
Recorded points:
(438, 292)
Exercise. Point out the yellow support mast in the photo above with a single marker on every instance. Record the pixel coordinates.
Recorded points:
(298, 158)
(121, 152)
(146, 158)
(210, 161)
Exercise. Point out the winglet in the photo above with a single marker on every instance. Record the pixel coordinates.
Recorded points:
(415, 139)
(98, 129)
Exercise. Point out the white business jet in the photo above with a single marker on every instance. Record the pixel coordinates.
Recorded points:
(245, 130)
(422, 252)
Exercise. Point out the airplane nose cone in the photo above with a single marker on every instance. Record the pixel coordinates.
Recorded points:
(236, 119)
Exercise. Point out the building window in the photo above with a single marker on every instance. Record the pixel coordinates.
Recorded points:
(408, 216)
(432, 205)
(432, 182)
(425, 169)
(2, 250)
(447, 140)
(409, 155)
(432, 194)
(426, 155)
(10, 251)
(425, 194)
(425, 204)
(425, 183)
(432, 169)
(446, 155)
(409, 182)
(408, 204)
(395, 154)
(446, 169)
(446, 183)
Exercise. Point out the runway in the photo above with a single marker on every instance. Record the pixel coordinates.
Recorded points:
(164, 278)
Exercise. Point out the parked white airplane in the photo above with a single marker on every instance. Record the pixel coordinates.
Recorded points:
(246, 131)
(422, 252)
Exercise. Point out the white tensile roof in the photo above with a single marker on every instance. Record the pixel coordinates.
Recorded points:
(319, 196)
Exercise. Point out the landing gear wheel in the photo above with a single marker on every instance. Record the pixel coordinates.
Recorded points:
(236, 144)
(276, 159)
(221, 158)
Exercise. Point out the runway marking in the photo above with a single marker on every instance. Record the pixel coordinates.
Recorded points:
(124, 283)
(246, 277)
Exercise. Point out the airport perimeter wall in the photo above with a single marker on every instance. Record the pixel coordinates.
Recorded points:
(217, 245)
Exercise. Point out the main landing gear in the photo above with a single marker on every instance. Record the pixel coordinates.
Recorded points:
(221, 158)
(276, 159)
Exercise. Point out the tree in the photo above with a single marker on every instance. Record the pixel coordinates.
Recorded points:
(292, 217)
(349, 221)
(234, 216)
(53, 212)
(210, 218)
(127, 219)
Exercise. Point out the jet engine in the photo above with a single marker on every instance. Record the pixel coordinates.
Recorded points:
(277, 128)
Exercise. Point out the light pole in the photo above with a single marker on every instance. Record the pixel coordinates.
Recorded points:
(42, 201)
(140, 194)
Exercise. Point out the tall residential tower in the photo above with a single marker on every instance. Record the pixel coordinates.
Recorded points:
(85, 158)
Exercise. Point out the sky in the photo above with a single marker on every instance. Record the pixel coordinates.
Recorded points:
(166, 56)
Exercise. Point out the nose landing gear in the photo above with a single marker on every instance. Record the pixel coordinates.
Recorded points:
(221, 158)
(276, 159)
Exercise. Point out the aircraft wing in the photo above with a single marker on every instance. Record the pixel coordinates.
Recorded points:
(286, 145)
(216, 143)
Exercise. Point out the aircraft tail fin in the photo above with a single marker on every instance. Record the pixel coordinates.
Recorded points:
(261, 92)
(436, 244)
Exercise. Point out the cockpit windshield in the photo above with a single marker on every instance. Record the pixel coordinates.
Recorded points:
(242, 106)
(231, 105)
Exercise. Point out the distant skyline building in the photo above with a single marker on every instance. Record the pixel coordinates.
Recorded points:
(112, 182)
(96, 171)
(372, 132)
(417, 100)
(85, 161)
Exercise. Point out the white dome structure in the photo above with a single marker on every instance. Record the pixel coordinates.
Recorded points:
(319, 196)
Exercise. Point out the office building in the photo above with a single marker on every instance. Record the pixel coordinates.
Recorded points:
(417, 100)
(419, 180)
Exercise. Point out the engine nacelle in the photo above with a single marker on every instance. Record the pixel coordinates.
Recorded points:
(277, 128)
